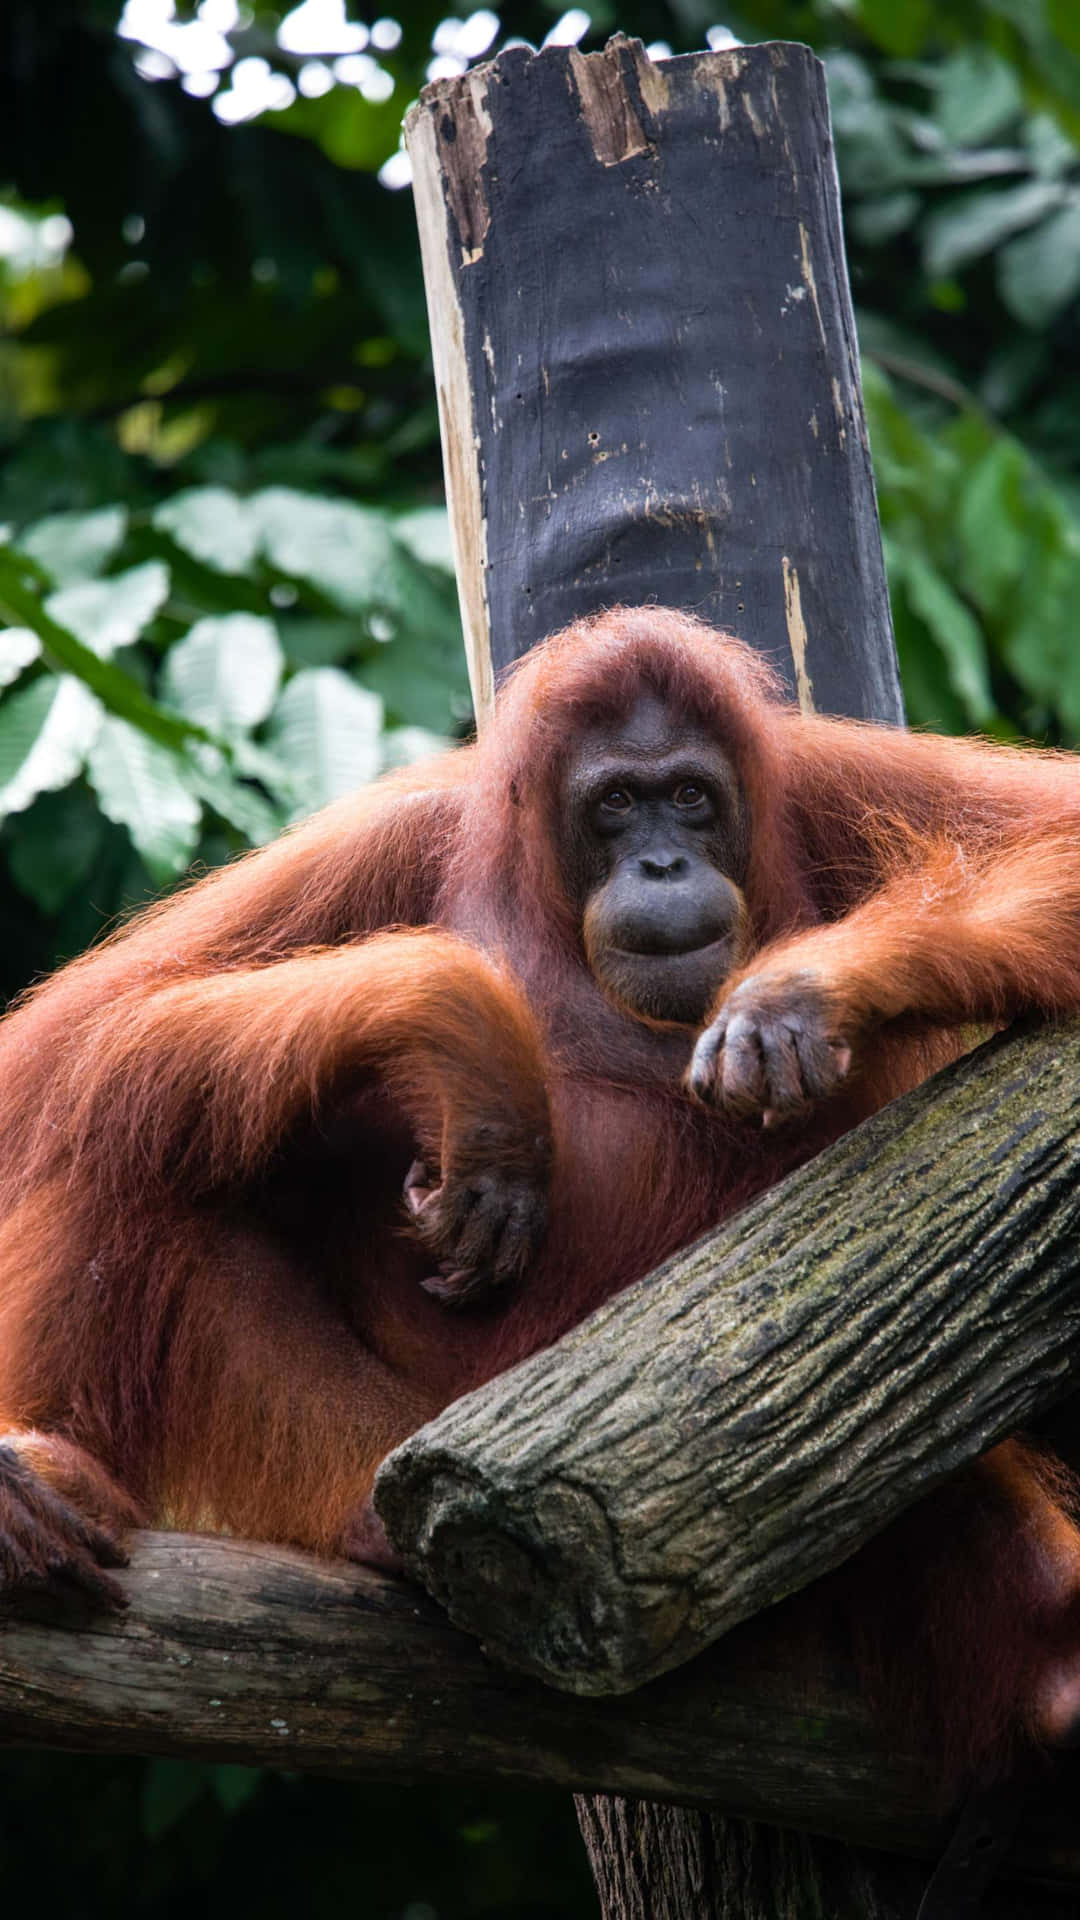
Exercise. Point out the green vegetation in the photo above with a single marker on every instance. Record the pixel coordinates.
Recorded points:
(225, 591)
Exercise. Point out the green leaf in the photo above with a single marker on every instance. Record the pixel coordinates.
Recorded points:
(19, 648)
(235, 1786)
(958, 635)
(990, 521)
(75, 546)
(326, 731)
(426, 533)
(422, 680)
(46, 731)
(141, 786)
(106, 614)
(58, 841)
(205, 774)
(352, 131)
(403, 746)
(1038, 645)
(170, 1789)
(213, 525)
(929, 698)
(1063, 22)
(1039, 274)
(225, 673)
(881, 217)
(347, 552)
(117, 691)
(899, 29)
(319, 640)
(972, 224)
(1052, 152)
(978, 95)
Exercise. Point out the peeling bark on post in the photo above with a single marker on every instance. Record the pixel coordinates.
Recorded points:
(646, 360)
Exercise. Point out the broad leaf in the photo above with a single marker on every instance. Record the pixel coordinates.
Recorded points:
(402, 746)
(957, 633)
(213, 525)
(46, 732)
(426, 533)
(225, 673)
(140, 786)
(899, 29)
(975, 223)
(206, 775)
(106, 614)
(990, 520)
(75, 546)
(978, 96)
(1039, 274)
(326, 730)
(347, 552)
(422, 676)
(929, 698)
(19, 648)
(21, 605)
(58, 841)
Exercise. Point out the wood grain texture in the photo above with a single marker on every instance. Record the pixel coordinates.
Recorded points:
(646, 359)
(742, 1419)
(234, 1651)
(653, 1862)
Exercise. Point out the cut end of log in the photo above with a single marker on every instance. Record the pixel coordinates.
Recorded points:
(509, 1572)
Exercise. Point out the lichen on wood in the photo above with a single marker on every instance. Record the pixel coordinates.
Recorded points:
(744, 1418)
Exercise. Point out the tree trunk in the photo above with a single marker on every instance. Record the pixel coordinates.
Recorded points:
(652, 1862)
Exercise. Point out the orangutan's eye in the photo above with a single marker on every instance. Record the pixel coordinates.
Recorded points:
(689, 794)
(616, 800)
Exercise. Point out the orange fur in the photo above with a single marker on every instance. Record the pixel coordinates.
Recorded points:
(209, 1299)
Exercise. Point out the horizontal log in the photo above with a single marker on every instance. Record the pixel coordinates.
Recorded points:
(742, 1419)
(238, 1652)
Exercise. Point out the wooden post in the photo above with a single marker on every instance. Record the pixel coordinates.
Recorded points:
(645, 357)
(648, 388)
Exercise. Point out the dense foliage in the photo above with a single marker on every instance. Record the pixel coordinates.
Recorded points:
(225, 591)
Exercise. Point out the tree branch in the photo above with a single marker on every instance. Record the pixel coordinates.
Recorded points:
(259, 1655)
(744, 1418)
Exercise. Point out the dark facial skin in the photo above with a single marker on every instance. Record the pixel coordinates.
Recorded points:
(658, 840)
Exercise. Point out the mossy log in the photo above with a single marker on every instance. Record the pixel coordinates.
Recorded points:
(741, 1420)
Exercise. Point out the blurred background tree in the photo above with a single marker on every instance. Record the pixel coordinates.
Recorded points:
(225, 588)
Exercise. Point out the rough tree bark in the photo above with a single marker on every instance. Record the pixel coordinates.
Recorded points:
(232, 1651)
(650, 1861)
(740, 1420)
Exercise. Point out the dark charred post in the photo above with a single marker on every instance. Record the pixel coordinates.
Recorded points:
(646, 360)
(648, 389)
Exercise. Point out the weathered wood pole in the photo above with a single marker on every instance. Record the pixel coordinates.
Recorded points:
(648, 388)
(645, 357)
